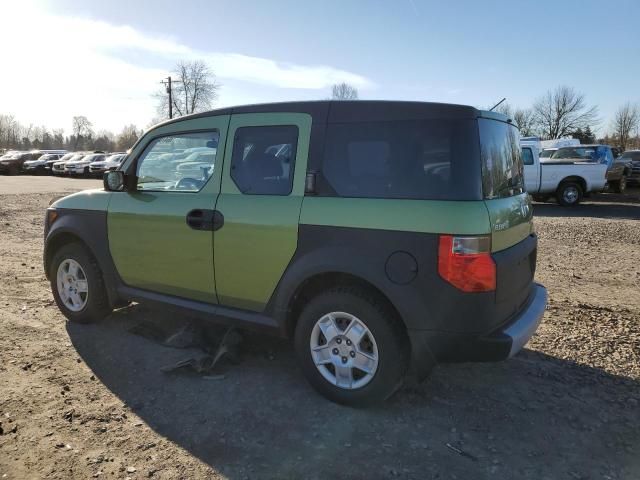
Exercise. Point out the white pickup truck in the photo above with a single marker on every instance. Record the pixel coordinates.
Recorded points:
(567, 180)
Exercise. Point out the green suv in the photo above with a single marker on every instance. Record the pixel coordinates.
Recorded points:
(382, 237)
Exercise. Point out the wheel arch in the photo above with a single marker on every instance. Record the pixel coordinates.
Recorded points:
(575, 179)
(89, 229)
(318, 282)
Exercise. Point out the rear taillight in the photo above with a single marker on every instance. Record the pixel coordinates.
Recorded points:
(466, 263)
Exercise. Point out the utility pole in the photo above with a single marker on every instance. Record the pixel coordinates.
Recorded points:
(167, 84)
(169, 91)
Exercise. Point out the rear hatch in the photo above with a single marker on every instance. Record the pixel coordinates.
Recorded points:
(513, 243)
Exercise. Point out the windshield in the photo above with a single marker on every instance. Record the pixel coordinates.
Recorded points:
(546, 153)
(502, 167)
(67, 156)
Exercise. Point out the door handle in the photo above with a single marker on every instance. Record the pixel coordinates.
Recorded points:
(205, 219)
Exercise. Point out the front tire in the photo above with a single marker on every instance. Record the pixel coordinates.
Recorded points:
(569, 194)
(620, 186)
(77, 285)
(351, 347)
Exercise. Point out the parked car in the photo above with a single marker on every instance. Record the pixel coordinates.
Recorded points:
(39, 165)
(634, 157)
(12, 164)
(81, 165)
(400, 234)
(58, 167)
(112, 162)
(565, 175)
(617, 171)
(48, 165)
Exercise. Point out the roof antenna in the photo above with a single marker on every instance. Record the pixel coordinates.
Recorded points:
(497, 104)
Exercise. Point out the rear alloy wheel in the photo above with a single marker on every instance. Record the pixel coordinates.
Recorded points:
(569, 194)
(351, 347)
(344, 350)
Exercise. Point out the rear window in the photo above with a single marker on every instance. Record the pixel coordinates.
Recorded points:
(425, 159)
(502, 167)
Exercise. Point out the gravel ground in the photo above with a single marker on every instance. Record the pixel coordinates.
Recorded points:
(91, 402)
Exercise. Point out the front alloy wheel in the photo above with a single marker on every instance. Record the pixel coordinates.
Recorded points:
(73, 288)
(344, 350)
(77, 284)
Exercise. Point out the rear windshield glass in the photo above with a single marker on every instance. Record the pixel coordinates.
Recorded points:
(502, 168)
(635, 156)
(424, 159)
(546, 153)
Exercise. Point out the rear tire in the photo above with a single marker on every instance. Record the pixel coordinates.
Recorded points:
(77, 284)
(360, 331)
(569, 194)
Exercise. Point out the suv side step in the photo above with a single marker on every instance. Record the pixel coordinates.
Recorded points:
(206, 311)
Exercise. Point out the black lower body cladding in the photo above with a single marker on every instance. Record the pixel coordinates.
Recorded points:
(403, 266)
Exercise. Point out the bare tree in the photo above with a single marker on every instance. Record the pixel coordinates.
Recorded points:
(525, 120)
(194, 89)
(561, 111)
(81, 128)
(127, 137)
(626, 121)
(344, 91)
(504, 108)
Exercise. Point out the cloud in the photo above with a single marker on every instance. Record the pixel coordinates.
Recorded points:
(63, 66)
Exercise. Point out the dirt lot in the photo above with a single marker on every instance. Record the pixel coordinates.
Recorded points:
(91, 401)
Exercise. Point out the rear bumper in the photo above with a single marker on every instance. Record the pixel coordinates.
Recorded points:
(505, 342)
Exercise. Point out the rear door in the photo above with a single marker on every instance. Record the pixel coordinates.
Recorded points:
(260, 199)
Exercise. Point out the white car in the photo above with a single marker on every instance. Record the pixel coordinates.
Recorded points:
(112, 162)
(568, 180)
(81, 166)
(57, 168)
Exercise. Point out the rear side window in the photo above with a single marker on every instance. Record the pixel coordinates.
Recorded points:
(502, 167)
(527, 156)
(425, 159)
(264, 158)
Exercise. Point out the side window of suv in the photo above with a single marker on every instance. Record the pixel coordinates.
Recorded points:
(527, 156)
(263, 159)
(182, 162)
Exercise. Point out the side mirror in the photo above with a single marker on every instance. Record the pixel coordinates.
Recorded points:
(113, 181)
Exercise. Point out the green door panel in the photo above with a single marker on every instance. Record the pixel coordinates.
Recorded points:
(260, 232)
(151, 244)
(423, 216)
(254, 247)
(511, 220)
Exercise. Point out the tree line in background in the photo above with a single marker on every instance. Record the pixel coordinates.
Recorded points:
(564, 112)
(15, 136)
(559, 113)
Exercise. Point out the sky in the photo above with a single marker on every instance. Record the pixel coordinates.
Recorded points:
(105, 59)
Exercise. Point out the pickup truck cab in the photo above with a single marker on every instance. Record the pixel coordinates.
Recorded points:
(382, 237)
(566, 178)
